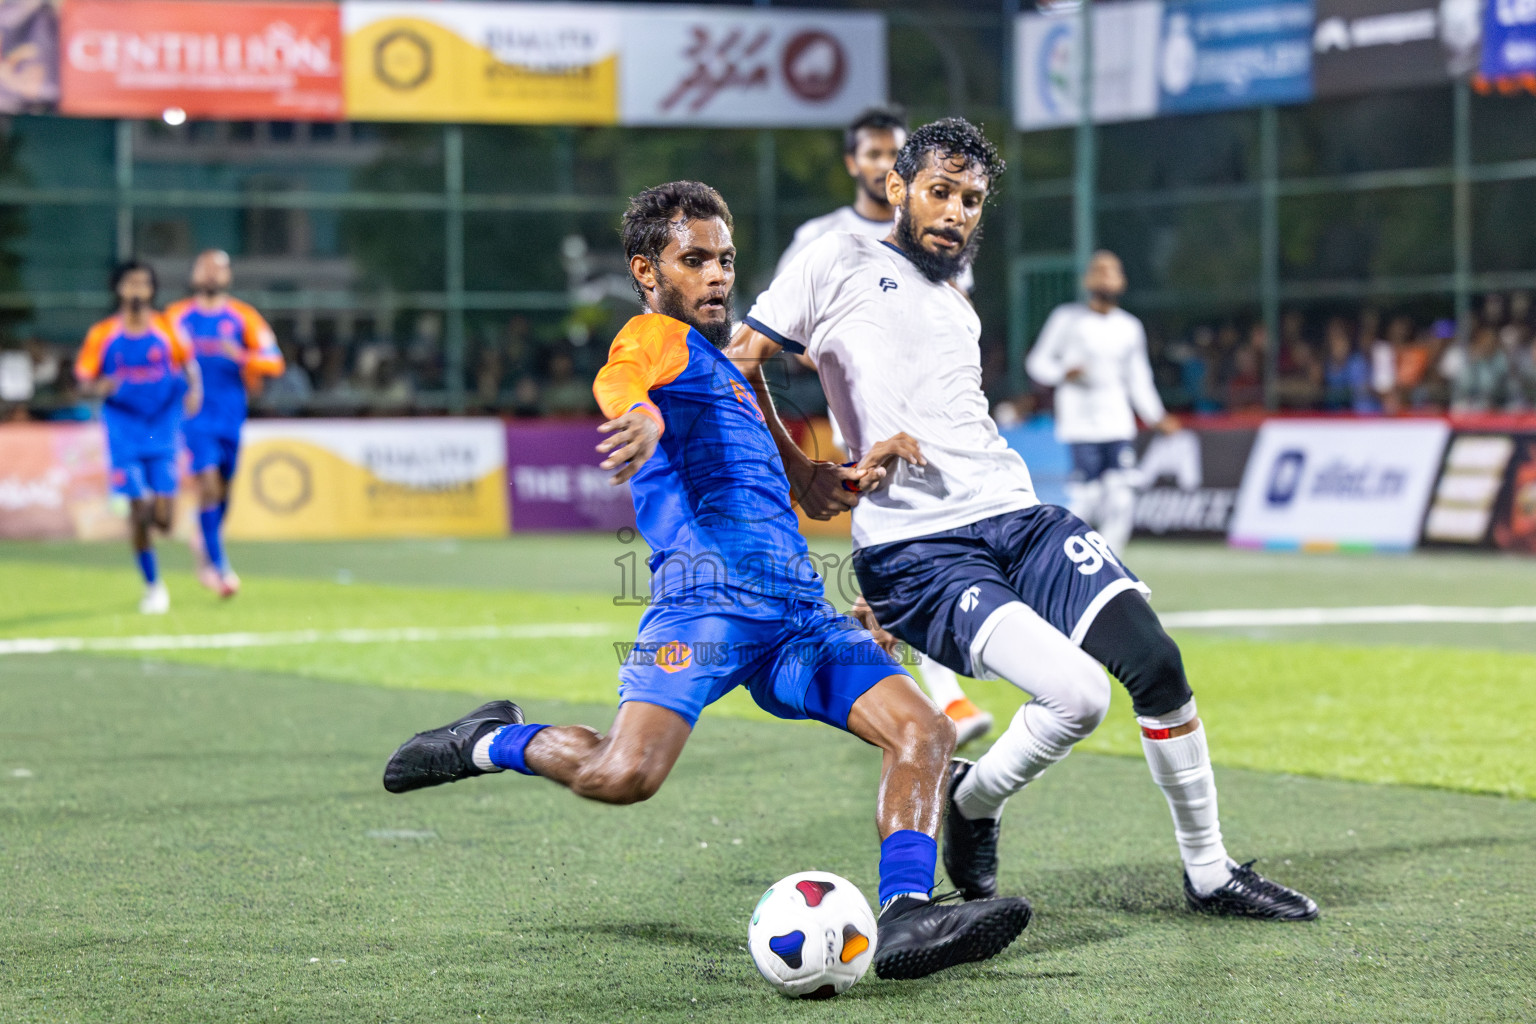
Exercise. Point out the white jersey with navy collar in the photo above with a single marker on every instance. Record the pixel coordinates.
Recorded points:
(897, 352)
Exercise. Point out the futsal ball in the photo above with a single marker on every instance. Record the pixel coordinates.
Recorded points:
(812, 935)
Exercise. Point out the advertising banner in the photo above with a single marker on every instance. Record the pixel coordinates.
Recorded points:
(733, 66)
(1325, 484)
(1189, 481)
(1047, 77)
(370, 478)
(519, 63)
(1509, 38)
(29, 56)
(1486, 494)
(1364, 46)
(138, 58)
(1220, 54)
(53, 483)
(554, 482)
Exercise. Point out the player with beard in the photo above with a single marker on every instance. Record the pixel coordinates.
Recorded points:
(870, 146)
(955, 553)
(147, 378)
(235, 350)
(734, 601)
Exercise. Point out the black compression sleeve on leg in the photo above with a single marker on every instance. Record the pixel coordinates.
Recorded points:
(1127, 639)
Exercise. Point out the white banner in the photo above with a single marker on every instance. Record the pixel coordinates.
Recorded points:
(1046, 78)
(1326, 484)
(731, 66)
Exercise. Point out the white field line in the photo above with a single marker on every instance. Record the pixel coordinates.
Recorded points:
(227, 641)
(1371, 615)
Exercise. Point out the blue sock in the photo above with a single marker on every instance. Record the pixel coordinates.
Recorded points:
(221, 508)
(213, 544)
(509, 745)
(148, 567)
(907, 862)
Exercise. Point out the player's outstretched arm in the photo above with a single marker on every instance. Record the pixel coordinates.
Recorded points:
(823, 489)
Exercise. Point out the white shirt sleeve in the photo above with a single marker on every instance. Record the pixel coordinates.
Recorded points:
(790, 309)
(1138, 381)
(1046, 364)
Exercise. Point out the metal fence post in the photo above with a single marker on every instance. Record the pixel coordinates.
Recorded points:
(1085, 176)
(1461, 205)
(1269, 246)
(453, 266)
(122, 159)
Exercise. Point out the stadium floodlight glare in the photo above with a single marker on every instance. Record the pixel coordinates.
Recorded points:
(174, 116)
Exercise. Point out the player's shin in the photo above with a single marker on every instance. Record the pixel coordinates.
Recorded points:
(1180, 763)
(1017, 758)
(1117, 510)
(208, 521)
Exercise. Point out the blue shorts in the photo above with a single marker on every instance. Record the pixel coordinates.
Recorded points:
(1091, 461)
(210, 449)
(143, 476)
(798, 659)
(938, 593)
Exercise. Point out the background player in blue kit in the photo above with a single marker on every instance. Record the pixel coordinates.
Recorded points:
(735, 601)
(235, 349)
(148, 379)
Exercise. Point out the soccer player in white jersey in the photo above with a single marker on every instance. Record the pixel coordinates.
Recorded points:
(955, 554)
(1095, 355)
(870, 146)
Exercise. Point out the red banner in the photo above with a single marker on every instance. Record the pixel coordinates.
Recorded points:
(140, 58)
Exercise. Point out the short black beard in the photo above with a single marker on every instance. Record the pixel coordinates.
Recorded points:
(209, 292)
(876, 196)
(136, 306)
(1108, 298)
(670, 302)
(936, 267)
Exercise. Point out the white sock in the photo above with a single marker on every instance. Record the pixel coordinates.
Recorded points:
(1117, 510)
(1181, 767)
(941, 683)
(1015, 760)
(483, 752)
(920, 896)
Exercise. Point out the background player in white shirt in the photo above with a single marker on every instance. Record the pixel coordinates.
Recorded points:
(870, 146)
(955, 554)
(1095, 355)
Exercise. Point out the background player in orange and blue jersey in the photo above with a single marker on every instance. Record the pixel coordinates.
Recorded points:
(235, 349)
(734, 599)
(148, 378)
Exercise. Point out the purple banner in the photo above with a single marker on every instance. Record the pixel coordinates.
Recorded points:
(554, 483)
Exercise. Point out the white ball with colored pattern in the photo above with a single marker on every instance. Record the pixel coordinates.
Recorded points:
(812, 935)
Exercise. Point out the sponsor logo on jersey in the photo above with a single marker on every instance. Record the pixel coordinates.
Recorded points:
(674, 656)
(887, 284)
(970, 599)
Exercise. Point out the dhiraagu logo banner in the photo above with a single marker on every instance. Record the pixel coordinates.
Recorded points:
(370, 478)
(524, 63)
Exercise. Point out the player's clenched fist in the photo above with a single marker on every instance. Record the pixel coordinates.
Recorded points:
(634, 440)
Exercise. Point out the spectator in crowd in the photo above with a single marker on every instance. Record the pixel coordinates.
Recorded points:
(1346, 373)
(565, 394)
(1245, 383)
(1301, 374)
(1480, 377)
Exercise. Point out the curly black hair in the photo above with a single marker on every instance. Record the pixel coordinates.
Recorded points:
(952, 136)
(645, 227)
(880, 119)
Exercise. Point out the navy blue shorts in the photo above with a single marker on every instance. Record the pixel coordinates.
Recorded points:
(1091, 461)
(938, 593)
(210, 449)
(798, 659)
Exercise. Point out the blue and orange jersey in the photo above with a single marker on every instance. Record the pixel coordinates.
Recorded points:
(234, 345)
(713, 501)
(144, 411)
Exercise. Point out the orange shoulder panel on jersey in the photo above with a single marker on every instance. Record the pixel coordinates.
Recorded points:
(88, 362)
(649, 352)
(176, 310)
(181, 345)
(264, 359)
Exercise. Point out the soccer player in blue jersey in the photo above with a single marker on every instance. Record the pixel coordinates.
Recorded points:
(148, 380)
(734, 599)
(235, 349)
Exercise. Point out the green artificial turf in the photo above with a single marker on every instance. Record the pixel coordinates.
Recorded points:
(185, 845)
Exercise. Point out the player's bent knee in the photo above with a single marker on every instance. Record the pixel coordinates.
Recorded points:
(1089, 701)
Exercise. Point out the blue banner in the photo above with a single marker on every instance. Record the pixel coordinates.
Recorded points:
(1509, 38)
(1220, 54)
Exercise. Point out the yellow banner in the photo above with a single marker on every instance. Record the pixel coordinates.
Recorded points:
(465, 61)
(370, 478)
